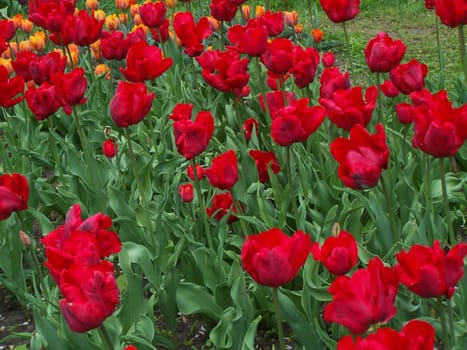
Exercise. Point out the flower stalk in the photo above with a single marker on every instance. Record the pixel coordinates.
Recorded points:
(452, 237)
(280, 329)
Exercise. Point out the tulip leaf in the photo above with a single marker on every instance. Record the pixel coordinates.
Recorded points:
(193, 298)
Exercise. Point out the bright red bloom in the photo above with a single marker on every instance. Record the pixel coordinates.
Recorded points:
(191, 35)
(409, 77)
(388, 89)
(264, 160)
(181, 111)
(70, 88)
(186, 192)
(14, 194)
(145, 62)
(331, 80)
(50, 15)
(305, 63)
(79, 242)
(248, 126)
(153, 13)
(223, 172)
(21, 64)
(42, 68)
(250, 39)
(90, 295)
(296, 122)
(340, 10)
(452, 13)
(339, 254)
(328, 59)
(225, 71)
(274, 22)
(130, 347)
(415, 335)
(192, 137)
(199, 172)
(130, 103)
(42, 101)
(7, 30)
(362, 157)
(87, 29)
(272, 258)
(109, 148)
(161, 33)
(278, 57)
(365, 298)
(347, 107)
(431, 272)
(439, 129)
(10, 88)
(223, 10)
(222, 203)
(383, 54)
(430, 4)
(114, 45)
(275, 102)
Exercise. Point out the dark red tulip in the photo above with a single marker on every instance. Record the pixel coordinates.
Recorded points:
(42, 101)
(223, 172)
(340, 10)
(409, 77)
(191, 35)
(452, 13)
(10, 88)
(265, 160)
(70, 88)
(382, 53)
(222, 204)
(153, 13)
(14, 194)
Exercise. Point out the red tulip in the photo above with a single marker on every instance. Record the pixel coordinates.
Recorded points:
(161, 33)
(305, 64)
(347, 107)
(145, 62)
(388, 89)
(452, 13)
(42, 68)
(274, 22)
(365, 298)
(191, 36)
(42, 101)
(431, 272)
(439, 129)
(50, 15)
(10, 88)
(338, 254)
(296, 122)
(14, 194)
(248, 126)
(87, 29)
(109, 148)
(114, 45)
(192, 137)
(130, 104)
(383, 54)
(278, 57)
(362, 157)
(199, 172)
(222, 204)
(223, 10)
(223, 172)
(186, 192)
(272, 258)
(153, 13)
(331, 80)
(328, 59)
(409, 77)
(7, 30)
(21, 64)
(70, 88)
(90, 295)
(250, 39)
(430, 4)
(181, 111)
(263, 161)
(340, 10)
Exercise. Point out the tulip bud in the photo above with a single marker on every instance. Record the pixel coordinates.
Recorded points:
(109, 148)
(25, 238)
(186, 192)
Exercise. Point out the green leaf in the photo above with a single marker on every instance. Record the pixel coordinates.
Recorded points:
(193, 298)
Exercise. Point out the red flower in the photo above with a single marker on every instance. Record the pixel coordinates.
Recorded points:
(452, 13)
(296, 122)
(130, 103)
(275, 101)
(331, 80)
(430, 4)
(199, 172)
(439, 129)
(192, 137)
(182, 111)
(191, 36)
(87, 29)
(43, 67)
(248, 126)
(70, 88)
(153, 13)
(145, 62)
(186, 192)
(79, 242)
(272, 258)
(263, 161)
(223, 10)
(409, 77)
(278, 57)
(388, 89)
(364, 299)
(340, 10)
(161, 33)
(130, 347)
(114, 45)
(42, 101)
(7, 30)
(431, 272)
(14, 194)
(225, 71)
(221, 205)
(50, 15)
(338, 254)
(305, 63)
(109, 148)
(21, 64)
(383, 54)
(415, 335)
(362, 157)
(90, 295)
(10, 88)
(347, 108)
(274, 22)
(223, 172)
(250, 39)
(328, 59)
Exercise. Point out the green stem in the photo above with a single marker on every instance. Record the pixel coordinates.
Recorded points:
(290, 181)
(390, 208)
(440, 55)
(427, 190)
(380, 100)
(54, 149)
(452, 329)
(202, 205)
(280, 330)
(452, 237)
(239, 209)
(105, 337)
(444, 327)
(263, 90)
(347, 45)
(3, 155)
(239, 119)
(460, 28)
